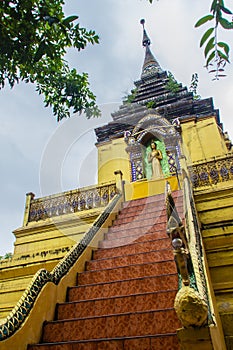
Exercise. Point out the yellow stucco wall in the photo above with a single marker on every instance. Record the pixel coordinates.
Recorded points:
(143, 189)
(202, 139)
(112, 156)
(40, 244)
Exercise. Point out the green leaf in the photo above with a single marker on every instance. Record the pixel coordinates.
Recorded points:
(223, 56)
(210, 58)
(225, 23)
(49, 49)
(51, 20)
(225, 10)
(206, 36)
(214, 5)
(225, 47)
(66, 21)
(204, 20)
(40, 51)
(209, 46)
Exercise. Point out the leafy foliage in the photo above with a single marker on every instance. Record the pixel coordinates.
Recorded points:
(172, 84)
(129, 98)
(34, 37)
(6, 256)
(194, 85)
(151, 104)
(216, 52)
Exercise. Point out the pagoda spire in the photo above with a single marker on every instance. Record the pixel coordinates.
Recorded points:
(150, 64)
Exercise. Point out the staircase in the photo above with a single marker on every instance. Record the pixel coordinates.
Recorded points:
(124, 299)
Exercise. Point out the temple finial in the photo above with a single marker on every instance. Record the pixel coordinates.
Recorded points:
(145, 39)
(150, 63)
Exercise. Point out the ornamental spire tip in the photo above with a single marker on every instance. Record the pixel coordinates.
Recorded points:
(142, 22)
(146, 39)
(150, 63)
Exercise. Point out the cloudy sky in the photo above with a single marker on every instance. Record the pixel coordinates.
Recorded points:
(44, 157)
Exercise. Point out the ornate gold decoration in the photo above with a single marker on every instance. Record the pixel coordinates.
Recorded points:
(176, 232)
(191, 309)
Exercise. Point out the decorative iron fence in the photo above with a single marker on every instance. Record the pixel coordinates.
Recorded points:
(71, 201)
(211, 172)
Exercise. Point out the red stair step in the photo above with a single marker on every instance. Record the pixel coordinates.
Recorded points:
(125, 287)
(135, 232)
(128, 208)
(146, 200)
(155, 207)
(141, 217)
(121, 325)
(153, 199)
(138, 223)
(158, 342)
(127, 272)
(154, 210)
(145, 213)
(138, 258)
(117, 305)
(133, 248)
(141, 227)
(136, 238)
(124, 300)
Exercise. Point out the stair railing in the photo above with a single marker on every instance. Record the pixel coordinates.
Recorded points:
(176, 232)
(68, 202)
(194, 301)
(21, 311)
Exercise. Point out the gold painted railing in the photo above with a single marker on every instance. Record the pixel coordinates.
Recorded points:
(194, 303)
(191, 302)
(71, 201)
(211, 172)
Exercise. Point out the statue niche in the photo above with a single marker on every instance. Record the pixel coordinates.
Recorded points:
(153, 148)
(155, 160)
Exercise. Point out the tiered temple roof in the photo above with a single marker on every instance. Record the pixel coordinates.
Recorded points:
(152, 91)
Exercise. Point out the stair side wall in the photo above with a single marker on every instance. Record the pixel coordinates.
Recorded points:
(44, 307)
